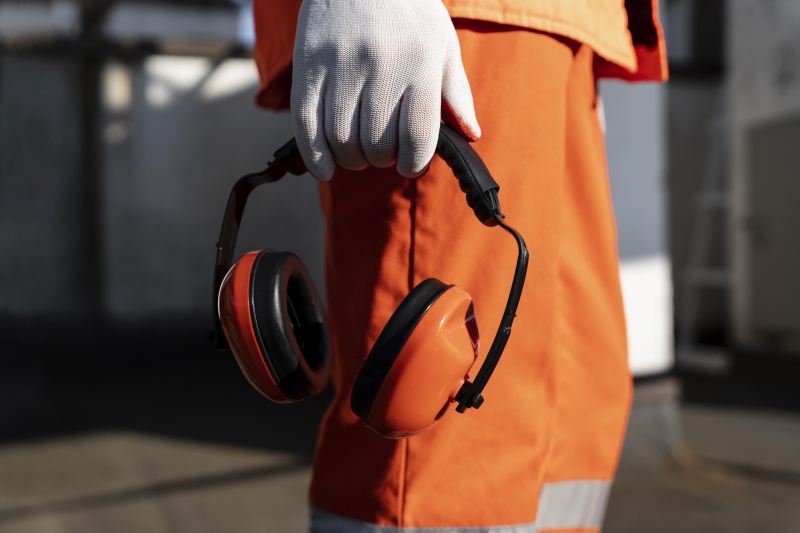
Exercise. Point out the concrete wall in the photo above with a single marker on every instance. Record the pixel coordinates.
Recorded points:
(173, 152)
(177, 132)
(42, 196)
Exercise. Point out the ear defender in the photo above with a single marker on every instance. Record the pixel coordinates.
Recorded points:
(269, 314)
(266, 308)
(422, 360)
(419, 362)
(274, 321)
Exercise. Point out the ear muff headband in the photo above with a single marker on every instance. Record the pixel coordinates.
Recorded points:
(287, 159)
(391, 341)
(482, 196)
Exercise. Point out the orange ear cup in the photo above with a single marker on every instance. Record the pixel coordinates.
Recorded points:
(413, 382)
(237, 323)
(274, 323)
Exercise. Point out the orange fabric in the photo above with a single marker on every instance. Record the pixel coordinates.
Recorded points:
(589, 344)
(601, 25)
(607, 26)
(556, 406)
(276, 23)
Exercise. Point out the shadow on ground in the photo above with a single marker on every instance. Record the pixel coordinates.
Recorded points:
(160, 377)
(753, 381)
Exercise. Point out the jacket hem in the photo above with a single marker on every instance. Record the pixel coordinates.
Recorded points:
(624, 58)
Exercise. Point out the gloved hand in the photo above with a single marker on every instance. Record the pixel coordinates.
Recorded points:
(371, 80)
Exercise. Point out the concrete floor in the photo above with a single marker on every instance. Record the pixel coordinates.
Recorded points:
(184, 445)
(701, 469)
(131, 482)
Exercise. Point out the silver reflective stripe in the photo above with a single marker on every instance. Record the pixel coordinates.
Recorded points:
(573, 504)
(322, 522)
(562, 505)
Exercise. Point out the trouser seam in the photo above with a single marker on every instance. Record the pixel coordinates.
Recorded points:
(411, 281)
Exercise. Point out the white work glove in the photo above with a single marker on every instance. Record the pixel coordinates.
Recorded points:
(371, 80)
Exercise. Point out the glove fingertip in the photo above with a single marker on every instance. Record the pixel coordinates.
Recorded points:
(414, 174)
(322, 170)
(468, 127)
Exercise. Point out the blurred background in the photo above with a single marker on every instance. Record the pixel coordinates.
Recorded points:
(123, 124)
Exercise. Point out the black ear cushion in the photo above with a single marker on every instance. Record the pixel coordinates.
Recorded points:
(391, 340)
(289, 321)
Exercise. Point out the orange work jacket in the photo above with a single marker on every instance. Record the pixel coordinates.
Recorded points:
(626, 35)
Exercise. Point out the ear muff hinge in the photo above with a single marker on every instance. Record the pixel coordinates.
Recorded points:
(469, 400)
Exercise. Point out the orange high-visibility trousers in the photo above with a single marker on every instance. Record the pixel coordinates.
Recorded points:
(542, 450)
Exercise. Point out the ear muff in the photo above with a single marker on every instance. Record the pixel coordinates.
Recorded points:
(419, 362)
(274, 321)
(422, 358)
